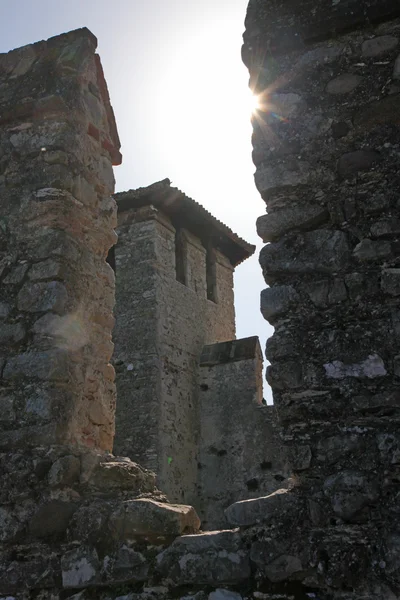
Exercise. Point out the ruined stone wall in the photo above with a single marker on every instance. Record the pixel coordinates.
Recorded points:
(161, 327)
(326, 148)
(57, 143)
(240, 454)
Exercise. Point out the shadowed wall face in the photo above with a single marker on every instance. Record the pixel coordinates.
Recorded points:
(326, 149)
(57, 144)
(240, 454)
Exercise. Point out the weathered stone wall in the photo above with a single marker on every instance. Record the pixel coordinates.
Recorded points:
(78, 524)
(57, 144)
(161, 327)
(240, 454)
(326, 148)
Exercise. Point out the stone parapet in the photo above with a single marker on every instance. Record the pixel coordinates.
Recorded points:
(240, 453)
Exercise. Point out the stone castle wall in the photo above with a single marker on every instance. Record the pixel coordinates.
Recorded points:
(326, 148)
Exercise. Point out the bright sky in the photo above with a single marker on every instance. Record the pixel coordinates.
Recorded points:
(180, 96)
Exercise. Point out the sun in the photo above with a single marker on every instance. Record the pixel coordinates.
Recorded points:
(253, 102)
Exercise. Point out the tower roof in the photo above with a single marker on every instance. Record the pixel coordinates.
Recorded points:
(188, 213)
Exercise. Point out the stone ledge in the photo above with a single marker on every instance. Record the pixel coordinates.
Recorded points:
(234, 350)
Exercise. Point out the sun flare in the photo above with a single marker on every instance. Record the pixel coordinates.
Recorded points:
(254, 102)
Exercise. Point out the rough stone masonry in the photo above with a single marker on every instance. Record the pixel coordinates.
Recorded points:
(79, 523)
(326, 146)
(58, 141)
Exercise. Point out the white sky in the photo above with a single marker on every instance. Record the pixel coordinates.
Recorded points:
(180, 96)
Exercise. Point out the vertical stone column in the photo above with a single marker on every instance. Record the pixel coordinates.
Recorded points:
(58, 141)
(326, 142)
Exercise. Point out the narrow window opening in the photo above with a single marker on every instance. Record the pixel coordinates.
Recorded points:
(211, 274)
(111, 258)
(180, 257)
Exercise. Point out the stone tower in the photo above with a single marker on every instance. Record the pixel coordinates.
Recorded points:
(174, 266)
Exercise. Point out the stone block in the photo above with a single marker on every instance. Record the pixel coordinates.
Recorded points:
(89, 523)
(299, 457)
(266, 509)
(51, 518)
(152, 520)
(285, 375)
(47, 269)
(373, 366)
(212, 558)
(272, 177)
(121, 475)
(335, 448)
(368, 250)
(65, 471)
(11, 333)
(326, 292)
(80, 568)
(351, 163)
(344, 84)
(386, 227)
(51, 366)
(17, 275)
(124, 566)
(277, 301)
(275, 224)
(320, 251)
(282, 568)
(350, 492)
(390, 281)
(43, 296)
(379, 45)
(265, 552)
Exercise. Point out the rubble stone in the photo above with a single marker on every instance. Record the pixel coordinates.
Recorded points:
(211, 558)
